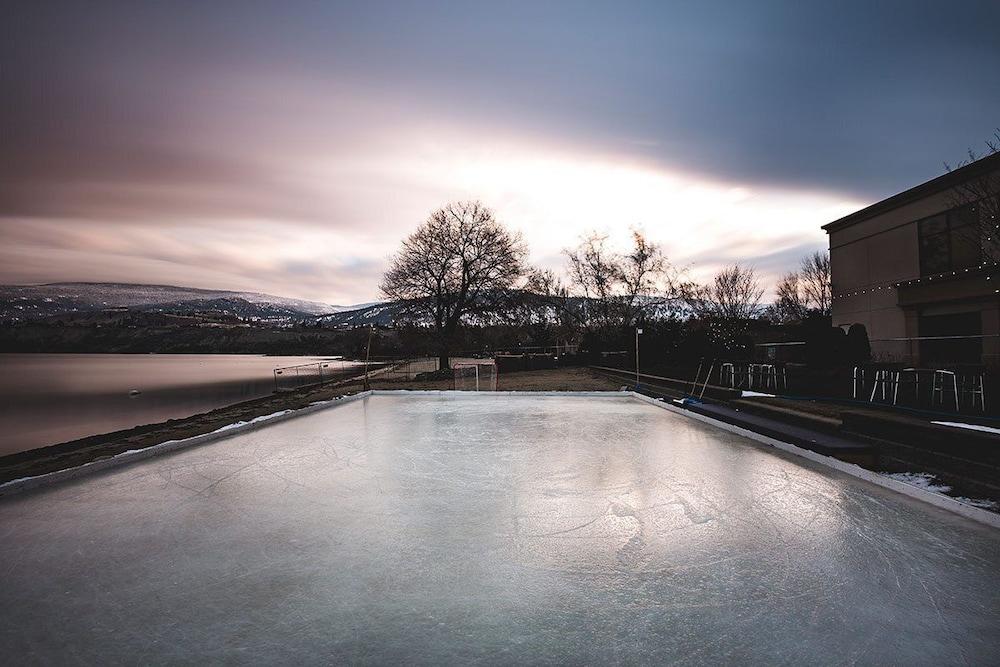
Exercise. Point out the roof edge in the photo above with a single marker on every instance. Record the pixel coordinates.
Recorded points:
(933, 186)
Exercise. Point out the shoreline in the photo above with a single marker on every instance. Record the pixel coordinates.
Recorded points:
(89, 449)
(55, 398)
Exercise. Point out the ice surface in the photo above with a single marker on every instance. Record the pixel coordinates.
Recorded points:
(490, 528)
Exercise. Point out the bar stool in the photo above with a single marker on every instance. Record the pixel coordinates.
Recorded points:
(941, 377)
(899, 381)
(763, 376)
(859, 380)
(885, 379)
(731, 368)
(972, 385)
(769, 377)
(758, 376)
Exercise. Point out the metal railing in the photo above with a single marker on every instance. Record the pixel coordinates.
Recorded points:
(288, 378)
(401, 370)
(557, 349)
(317, 372)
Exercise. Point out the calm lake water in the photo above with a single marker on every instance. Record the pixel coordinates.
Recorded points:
(50, 398)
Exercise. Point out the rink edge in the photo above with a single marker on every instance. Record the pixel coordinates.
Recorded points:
(938, 500)
(26, 483)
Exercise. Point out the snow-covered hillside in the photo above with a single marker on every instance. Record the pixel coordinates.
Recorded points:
(30, 302)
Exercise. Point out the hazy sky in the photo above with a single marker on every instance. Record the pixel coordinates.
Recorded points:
(287, 147)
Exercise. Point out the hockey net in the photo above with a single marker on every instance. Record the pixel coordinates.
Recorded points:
(478, 376)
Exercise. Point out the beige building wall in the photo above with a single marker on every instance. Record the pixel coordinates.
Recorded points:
(865, 267)
(869, 255)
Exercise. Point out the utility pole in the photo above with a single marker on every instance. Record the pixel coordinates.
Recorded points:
(637, 332)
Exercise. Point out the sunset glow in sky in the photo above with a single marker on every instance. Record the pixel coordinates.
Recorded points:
(288, 148)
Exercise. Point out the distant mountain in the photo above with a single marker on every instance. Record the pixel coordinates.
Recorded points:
(96, 303)
(388, 313)
(19, 303)
(377, 314)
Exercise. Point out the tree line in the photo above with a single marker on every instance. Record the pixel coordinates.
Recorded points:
(462, 266)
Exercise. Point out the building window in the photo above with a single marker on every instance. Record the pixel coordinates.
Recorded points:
(950, 241)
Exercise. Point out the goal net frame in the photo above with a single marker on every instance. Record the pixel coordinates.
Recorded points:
(475, 376)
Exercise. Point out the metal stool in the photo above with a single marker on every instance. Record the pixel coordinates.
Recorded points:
(859, 381)
(885, 379)
(731, 368)
(769, 377)
(938, 385)
(972, 384)
(899, 381)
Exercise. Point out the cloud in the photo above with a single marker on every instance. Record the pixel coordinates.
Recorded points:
(551, 195)
(256, 147)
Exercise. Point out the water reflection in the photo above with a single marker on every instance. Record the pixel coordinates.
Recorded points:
(51, 398)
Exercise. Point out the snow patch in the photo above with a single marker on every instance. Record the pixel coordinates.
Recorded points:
(744, 394)
(255, 420)
(221, 429)
(928, 482)
(971, 427)
(923, 480)
(982, 503)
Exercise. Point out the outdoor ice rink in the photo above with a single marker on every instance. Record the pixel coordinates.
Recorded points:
(491, 528)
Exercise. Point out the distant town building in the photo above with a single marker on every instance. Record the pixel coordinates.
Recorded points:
(919, 270)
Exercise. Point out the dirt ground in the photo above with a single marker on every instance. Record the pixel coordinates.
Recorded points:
(94, 448)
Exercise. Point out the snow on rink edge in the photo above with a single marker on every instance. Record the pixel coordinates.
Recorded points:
(133, 455)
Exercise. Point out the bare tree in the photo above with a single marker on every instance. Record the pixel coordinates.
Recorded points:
(544, 308)
(647, 278)
(735, 293)
(981, 195)
(539, 304)
(815, 280)
(595, 274)
(460, 262)
(789, 304)
(612, 290)
(805, 291)
(729, 303)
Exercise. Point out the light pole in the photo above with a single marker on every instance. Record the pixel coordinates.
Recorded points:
(368, 354)
(637, 332)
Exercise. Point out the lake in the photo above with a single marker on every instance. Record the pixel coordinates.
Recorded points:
(51, 398)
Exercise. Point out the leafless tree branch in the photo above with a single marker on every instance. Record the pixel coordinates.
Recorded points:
(460, 262)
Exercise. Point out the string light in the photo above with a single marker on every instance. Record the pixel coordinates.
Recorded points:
(904, 283)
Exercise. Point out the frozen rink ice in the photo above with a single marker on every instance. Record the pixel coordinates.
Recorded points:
(491, 528)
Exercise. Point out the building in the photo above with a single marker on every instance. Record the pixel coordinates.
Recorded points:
(919, 270)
